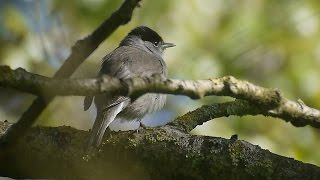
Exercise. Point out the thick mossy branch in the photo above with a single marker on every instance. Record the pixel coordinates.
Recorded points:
(258, 100)
(153, 153)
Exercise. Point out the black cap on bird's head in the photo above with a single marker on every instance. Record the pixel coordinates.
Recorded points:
(149, 35)
(146, 34)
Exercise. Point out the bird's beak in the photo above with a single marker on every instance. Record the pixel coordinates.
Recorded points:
(167, 45)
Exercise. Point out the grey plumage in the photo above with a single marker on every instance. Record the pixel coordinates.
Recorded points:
(139, 54)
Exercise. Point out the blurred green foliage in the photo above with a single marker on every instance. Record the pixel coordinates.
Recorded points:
(270, 43)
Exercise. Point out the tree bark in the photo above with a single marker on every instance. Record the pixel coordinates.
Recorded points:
(152, 153)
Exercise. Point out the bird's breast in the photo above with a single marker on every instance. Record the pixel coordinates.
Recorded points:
(147, 103)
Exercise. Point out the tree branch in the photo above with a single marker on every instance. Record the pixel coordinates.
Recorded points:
(289, 111)
(82, 49)
(160, 153)
(258, 100)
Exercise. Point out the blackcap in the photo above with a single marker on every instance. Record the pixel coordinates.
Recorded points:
(138, 55)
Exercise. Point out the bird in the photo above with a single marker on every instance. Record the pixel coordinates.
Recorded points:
(139, 54)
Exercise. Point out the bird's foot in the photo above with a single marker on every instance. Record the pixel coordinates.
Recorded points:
(141, 127)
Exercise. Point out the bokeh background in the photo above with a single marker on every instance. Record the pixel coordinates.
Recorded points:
(268, 42)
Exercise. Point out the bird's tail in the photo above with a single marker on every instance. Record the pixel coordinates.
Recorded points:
(103, 120)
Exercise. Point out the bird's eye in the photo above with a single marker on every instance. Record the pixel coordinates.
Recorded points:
(156, 43)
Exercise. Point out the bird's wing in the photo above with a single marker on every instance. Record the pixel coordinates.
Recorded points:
(112, 102)
(110, 66)
(127, 62)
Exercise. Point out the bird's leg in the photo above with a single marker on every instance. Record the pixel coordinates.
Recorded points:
(141, 126)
